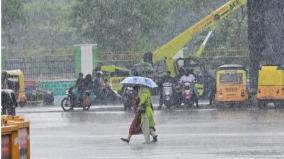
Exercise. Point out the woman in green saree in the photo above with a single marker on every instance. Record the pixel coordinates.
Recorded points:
(146, 114)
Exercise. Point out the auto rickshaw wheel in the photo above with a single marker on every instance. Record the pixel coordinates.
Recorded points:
(21, 103)
(278, 104)
(261, 104)
(252, 102)
(11, 111)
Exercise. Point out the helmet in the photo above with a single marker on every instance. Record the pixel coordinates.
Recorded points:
(187, 72)
(99, 73)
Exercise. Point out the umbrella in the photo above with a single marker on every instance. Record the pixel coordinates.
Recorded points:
(137, 80)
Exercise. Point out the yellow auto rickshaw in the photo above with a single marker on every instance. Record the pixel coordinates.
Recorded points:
(231, 85)
(270, 86)
(16, 82)
(115, 74)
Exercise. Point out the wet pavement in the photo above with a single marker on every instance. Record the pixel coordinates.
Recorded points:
(194, 133)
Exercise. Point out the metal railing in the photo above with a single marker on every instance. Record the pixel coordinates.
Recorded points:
(43, 67)
(63, 66)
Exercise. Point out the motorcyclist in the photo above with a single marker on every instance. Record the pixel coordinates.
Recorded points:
(166, 78)
(80, 86)
(88, 83)
(99, 84)
(190, 77)
(79, 82)
(105, 87)
(96, 70)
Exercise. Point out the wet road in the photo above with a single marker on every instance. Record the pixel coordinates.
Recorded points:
(198, 134)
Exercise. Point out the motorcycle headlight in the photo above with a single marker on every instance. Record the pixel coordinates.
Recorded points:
(67, 92)
(167, 97)
(167, 90)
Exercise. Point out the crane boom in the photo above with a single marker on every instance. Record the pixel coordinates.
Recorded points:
(202, 47)
(170, 49)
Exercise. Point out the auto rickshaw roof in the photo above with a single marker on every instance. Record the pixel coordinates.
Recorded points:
(231, 66)
(113, 68)
(14, 72)
(278, 67)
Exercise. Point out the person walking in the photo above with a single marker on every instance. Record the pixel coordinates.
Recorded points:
(143, 121)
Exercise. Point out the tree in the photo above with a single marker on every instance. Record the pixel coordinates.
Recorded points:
(12, 14)
(116, 24)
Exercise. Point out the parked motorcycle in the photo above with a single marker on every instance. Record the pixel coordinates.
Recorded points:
(188, 94)
(74, 99)
(127, 96)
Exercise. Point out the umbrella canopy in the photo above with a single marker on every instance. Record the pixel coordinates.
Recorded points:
(137, 80)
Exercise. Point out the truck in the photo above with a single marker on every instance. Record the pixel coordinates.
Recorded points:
(170, 49)
(165, 55)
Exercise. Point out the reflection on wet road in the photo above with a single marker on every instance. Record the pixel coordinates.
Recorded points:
(205, 133)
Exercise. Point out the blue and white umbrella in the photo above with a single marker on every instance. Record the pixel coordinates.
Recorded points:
(137, 80)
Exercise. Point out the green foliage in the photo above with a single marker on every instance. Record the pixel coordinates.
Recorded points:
(12, 14)
(46, 28)
(115, 25)
(48, 24)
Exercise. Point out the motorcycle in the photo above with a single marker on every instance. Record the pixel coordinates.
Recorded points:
(74, 99)
(107, 96)
(188, 94)
(127, 97)
(168, 94)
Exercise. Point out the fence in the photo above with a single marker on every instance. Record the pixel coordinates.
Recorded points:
(63, 67)
(126, 58)
(43, 67)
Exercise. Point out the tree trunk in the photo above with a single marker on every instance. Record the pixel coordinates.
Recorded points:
(266, 34)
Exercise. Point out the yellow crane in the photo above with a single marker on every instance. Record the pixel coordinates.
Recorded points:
(170, 49)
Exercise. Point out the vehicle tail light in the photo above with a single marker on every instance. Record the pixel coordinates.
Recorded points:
(220, 92)
(243, 93)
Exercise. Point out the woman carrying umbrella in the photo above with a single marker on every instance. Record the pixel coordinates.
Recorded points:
(143, 121)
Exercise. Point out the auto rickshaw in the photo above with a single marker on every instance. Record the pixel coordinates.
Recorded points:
(16, 82)
(38, 96)
(114, 75)
(270, 86)
(231, 85)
